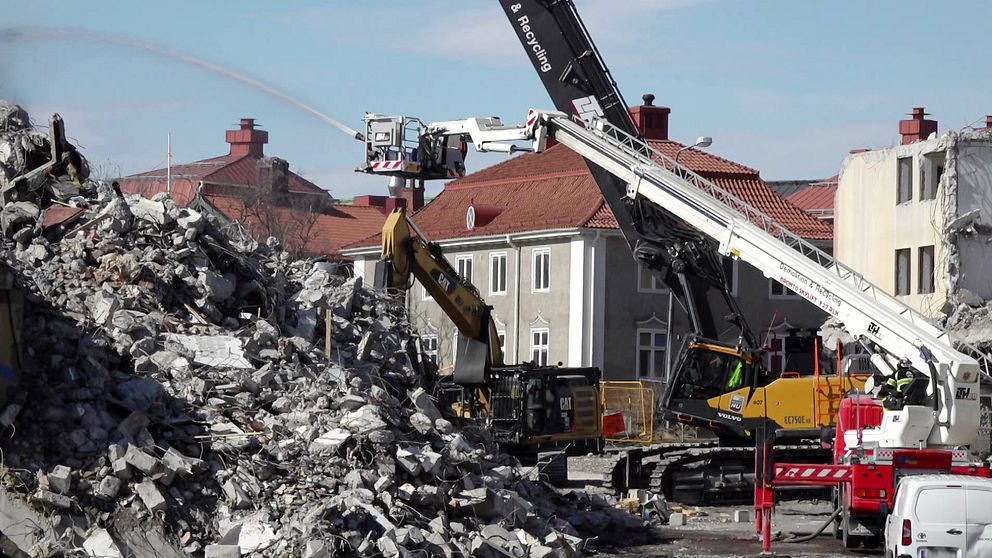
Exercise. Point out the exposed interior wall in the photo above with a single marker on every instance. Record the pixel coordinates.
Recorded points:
(971, 229)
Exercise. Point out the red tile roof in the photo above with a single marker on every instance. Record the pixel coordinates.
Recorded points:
(554, 189)
(186, 178)
(319, 231)
(817, 200)
(224, 180)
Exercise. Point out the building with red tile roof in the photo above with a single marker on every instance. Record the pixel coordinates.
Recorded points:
(817, 198)
(262, 194)
(535, 236)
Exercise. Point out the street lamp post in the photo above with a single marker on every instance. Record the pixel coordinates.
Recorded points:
(701, 141)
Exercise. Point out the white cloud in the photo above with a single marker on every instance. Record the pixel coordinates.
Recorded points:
(478, 32)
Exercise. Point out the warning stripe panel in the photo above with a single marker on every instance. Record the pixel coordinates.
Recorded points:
(811, 474)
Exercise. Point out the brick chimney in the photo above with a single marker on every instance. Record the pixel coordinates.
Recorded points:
(414, 197)
(247, 140)
(988, 122)
(407, 190)
(651, 121)
(273, 175)
(917, 128)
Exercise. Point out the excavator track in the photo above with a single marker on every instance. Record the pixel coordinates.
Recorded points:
(628, 468)
(706, 475)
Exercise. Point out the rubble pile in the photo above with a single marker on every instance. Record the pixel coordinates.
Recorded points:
(178, 398)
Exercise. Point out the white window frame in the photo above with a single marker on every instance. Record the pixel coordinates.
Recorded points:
(657, 285)
(493, 273)
(424, 338)
(655, 350)
(785, 296)
(471, 263)
(546, 347)
(536, 253)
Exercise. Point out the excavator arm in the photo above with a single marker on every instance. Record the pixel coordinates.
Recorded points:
(406, 253)
(579, 83)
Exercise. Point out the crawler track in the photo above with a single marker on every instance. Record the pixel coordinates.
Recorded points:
(704, 473)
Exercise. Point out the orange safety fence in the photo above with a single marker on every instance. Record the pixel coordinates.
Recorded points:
(628, 412)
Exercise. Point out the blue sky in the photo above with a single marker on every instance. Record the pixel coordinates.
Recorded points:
(785, 87)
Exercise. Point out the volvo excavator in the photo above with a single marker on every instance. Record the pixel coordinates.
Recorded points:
(719, 383)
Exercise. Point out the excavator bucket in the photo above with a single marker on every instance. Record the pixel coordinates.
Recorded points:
(471, 362)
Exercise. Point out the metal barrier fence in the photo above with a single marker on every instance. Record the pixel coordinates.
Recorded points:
(628, 412)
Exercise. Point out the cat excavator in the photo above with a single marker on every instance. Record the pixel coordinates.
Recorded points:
(527, 407)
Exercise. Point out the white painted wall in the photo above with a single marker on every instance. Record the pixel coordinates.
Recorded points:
(869, 225)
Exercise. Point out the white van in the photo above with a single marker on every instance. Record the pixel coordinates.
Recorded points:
(940, 516)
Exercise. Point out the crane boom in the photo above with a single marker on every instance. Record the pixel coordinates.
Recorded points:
(748, 234)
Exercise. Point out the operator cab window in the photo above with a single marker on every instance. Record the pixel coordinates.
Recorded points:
(708, 374)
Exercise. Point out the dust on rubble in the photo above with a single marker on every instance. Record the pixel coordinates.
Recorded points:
(176, 397)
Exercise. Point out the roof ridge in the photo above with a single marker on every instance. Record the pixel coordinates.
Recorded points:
(750, 170)
(516, 179)
(218, 169)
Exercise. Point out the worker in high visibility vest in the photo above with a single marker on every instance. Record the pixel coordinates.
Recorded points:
(894, 390)
(736, 377)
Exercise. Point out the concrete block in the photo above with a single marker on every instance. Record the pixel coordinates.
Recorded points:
(141, 461)
(120, 469)
(109, 487)
(101, 545)
(150, 495)
(677, 519)
(222, 551)
(60, 479)
(316, 549)
(742, 516)
(51, 498)
(329, 442)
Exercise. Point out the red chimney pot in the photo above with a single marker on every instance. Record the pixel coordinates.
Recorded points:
(917, 128)
(651, 121)
(247, 140)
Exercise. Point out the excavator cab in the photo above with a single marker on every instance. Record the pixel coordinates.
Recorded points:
(711, 385)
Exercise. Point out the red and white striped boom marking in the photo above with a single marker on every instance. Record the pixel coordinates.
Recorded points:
(811, 474)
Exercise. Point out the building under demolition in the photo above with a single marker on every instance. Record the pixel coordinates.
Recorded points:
(916, 219)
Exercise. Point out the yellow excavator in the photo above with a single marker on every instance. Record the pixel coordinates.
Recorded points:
(525, 406)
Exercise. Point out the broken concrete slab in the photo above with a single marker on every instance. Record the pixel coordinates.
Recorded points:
(150, 496)
(101, 545)
(222, 551)
(148, 210)
(329, 442)
(364, 420)
(30, 531)
(137, 458)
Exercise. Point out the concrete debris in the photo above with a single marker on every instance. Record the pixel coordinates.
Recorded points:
(101, 545)
(178, 400)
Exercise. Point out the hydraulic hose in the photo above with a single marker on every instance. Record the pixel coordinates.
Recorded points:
(816, 533)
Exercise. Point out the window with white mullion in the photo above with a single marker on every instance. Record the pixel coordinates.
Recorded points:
(539, 338)
(497, 273)
(541, 272)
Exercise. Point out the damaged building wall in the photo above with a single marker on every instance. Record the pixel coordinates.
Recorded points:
(970, 226)
(873, 220)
